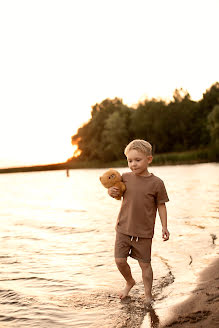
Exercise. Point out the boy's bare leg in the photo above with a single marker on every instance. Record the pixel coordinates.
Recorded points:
(125, 270)
(147, 276)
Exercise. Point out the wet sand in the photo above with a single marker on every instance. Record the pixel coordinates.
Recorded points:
(202, 308)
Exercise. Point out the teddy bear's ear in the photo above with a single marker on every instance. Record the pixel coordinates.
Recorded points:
(100, 178)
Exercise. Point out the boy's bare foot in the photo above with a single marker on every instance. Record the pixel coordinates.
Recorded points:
(127, 289)
(148, 301)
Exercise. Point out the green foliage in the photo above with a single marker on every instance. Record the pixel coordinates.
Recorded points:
(213, 123)
(209, 100)
(106, 134)
(178, 126)
(169, 127)
(192, 156)
(115, 135)
(213, 126)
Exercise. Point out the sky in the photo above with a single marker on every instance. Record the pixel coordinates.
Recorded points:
(59, 58)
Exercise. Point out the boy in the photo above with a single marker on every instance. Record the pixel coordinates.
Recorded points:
(145, 193)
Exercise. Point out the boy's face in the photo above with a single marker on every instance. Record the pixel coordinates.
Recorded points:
(138, 162)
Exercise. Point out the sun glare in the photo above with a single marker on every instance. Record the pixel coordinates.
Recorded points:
(76, 57)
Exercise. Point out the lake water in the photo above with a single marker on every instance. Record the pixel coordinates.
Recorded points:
(57, 239)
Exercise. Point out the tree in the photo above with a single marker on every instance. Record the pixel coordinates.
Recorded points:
(147, 122)
(115, 135)
(180, 94)
(213, 126)
(101, 137)
(180, 125)
(207, 103)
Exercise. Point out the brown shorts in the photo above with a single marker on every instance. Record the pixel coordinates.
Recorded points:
(138, 248)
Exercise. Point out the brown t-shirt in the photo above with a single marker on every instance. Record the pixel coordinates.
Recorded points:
(139, 206)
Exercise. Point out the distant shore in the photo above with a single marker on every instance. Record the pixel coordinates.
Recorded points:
(48, 167)
(189, 157)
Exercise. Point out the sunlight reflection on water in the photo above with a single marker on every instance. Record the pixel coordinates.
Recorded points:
(57, 238)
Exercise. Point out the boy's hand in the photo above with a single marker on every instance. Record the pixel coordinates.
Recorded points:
(113, 192)
(165, 234)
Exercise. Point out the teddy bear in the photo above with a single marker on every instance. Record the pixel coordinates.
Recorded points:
(112, 178)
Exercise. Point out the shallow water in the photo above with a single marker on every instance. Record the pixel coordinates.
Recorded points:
(57, 238)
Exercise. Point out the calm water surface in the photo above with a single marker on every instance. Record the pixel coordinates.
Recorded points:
(57, 238)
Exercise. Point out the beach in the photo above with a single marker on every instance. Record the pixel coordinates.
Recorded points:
(202, 307)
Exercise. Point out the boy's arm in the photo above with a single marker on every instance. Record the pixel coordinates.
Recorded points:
(163, 218)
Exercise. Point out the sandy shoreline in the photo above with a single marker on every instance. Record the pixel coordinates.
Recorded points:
(202, 308)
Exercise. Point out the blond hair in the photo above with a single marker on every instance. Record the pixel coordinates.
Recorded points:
(139, 145)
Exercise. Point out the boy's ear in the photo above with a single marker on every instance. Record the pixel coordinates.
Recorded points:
(150, 159)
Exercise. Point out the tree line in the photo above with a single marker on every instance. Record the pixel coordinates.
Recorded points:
(176, 126)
